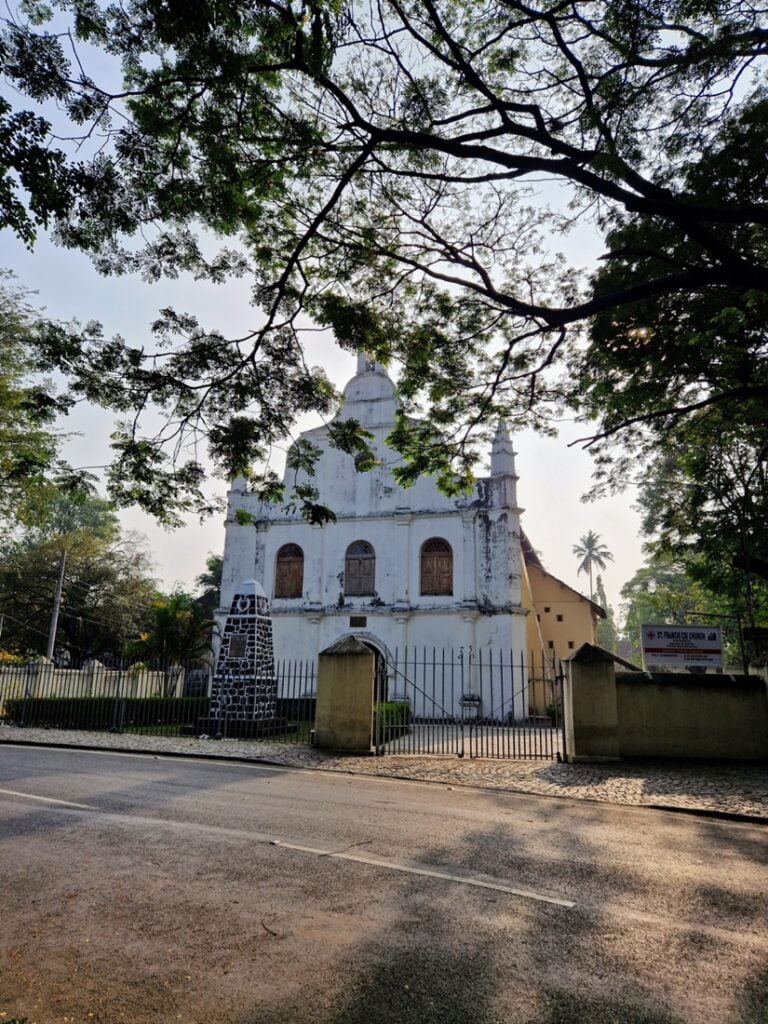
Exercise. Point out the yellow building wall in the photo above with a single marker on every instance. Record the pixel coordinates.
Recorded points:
(535, 641)
(560, 620)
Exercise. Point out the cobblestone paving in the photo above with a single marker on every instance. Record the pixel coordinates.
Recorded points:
(707, 786)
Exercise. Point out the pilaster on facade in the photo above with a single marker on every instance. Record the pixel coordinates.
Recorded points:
(314, 613)
(403, 518)
(469, 611)
(401, 612)
(467, 589)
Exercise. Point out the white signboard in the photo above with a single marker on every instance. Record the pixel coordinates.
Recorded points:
(682, 645)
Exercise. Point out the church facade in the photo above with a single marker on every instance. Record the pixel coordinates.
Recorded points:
(401, 567)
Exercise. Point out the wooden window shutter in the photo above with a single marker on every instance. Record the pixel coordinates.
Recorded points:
(289, 571)
(360, 570)
(436, 567)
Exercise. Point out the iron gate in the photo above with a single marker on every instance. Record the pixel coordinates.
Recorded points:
(470, 703)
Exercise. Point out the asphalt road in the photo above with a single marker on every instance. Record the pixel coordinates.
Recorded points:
(140, 889)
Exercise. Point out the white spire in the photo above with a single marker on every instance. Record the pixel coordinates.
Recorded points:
(502, 453)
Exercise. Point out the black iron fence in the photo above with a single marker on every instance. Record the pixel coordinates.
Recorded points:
(151, 699)
(484, 703)
(428, 701)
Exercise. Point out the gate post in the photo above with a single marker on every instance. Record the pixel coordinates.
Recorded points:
(345, 685)
(590, 710)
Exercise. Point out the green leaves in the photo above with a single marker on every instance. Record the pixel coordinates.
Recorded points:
(704, 500)
(304, 499)
(376, 169)
(653, 363)
(145, 474)
(178, 631)
(29, 165)
(425, 450)
(237, 444)
(350, 436)
(32, 473)
(302, 456)
(356, 325)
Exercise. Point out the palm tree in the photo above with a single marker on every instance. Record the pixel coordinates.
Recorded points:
(179, 631)
(591, 552)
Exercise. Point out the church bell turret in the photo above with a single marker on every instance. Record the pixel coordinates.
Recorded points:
(503, 471)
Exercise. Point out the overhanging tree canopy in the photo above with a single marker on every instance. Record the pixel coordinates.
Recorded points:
(33, 475)
(380, 167)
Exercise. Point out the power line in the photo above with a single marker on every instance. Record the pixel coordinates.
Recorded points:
(26, 625)
(44, 596)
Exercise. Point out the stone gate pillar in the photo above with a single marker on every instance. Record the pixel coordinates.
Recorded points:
(345, 694)
(590, 709)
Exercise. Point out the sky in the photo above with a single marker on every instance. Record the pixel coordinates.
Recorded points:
(553, 476)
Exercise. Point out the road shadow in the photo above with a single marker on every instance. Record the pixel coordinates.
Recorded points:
(162, 781)
(234, 933)
(753, 1000)
(456, 953)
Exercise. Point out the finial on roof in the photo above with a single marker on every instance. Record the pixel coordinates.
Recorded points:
(502, 432)
(365, 362)
(502, 452)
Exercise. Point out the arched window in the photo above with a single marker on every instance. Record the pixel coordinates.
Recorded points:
(289, 571)
(359, 569)
(436, 567)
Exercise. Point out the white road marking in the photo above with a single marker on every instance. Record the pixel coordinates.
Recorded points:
(329, 854)
(428, 872)
(47, 800)
(741, 937)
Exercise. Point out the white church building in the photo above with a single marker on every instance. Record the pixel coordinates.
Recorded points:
(401, 567)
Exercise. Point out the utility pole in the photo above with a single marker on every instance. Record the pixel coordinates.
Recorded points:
(56, 606)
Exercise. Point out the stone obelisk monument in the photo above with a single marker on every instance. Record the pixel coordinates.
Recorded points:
(244, 690)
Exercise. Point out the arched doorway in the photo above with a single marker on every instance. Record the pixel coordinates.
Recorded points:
(381, 679)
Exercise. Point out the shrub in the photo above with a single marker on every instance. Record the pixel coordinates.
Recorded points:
(296, 709)
(391, 718)
(100, 713)
(394, 712)
(6, 658)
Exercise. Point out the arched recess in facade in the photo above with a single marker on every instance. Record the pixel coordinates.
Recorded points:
(436, 567)
(289, 571)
